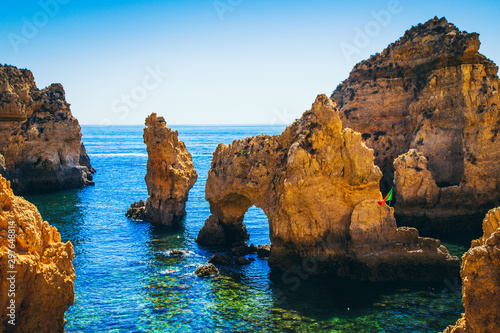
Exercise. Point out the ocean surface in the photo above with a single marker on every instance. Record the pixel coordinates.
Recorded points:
(127, 281)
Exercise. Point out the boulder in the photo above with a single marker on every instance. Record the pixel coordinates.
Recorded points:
(206, 271)
(221, 259)
(263, 251)
(136, 211)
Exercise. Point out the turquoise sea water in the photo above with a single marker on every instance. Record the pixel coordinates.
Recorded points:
(127, 281)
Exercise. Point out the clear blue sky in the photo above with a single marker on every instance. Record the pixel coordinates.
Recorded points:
(228, 61)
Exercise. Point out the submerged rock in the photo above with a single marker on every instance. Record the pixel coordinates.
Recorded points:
(432, 91)
(319, 188)
(44, 280)
(481, 281)
(206, 271)
(40, 140)
(170, 173)
(243, 261)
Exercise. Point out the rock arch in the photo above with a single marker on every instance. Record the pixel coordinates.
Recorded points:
(319, 188)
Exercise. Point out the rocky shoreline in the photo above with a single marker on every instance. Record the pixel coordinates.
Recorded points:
(422, 116)
(36, 268)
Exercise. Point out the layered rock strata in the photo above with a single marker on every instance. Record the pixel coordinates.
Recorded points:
(319, 188)
(481, 281)
(170, 174)
(40, 140)
(434, 92)
(36, 268)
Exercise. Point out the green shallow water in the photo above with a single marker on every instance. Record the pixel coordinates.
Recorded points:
(128, 282)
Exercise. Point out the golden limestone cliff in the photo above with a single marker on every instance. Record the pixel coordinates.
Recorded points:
(36, 269)
(170, 175)
(432, 91)
(319, 188)
(40, 140)
(481, 281)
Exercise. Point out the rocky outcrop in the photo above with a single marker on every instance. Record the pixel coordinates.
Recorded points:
(136, 211)
(170, 174)
(434, 92)
(36, 269)
(421, 202)
(481, 281)
(206, 271)
(319, 188)
(39, 138)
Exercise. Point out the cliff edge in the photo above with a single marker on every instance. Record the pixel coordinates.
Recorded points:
(40, 140)
(36, 268)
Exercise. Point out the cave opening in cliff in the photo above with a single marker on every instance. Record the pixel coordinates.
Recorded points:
(257, 225)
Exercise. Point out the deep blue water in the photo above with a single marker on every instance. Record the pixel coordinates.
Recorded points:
(127, 281)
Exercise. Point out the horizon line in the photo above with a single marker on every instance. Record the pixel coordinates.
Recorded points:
(199, 125)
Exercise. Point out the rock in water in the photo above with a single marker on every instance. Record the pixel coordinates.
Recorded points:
(221, 259)
(319, 188)
(481, 281)
(44, 276)
(434, 92)
(39, 138)
(136, 210)
(206, 270)
(264, 251)
(170, 173)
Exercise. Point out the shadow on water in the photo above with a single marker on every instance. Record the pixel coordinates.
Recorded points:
(330, 303)
(62, 210)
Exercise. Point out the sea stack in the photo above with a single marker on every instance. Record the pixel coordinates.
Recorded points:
(481, 280)
(40, 140)
(170, 175)
(432, 91)
(36, 268)
(319, 188)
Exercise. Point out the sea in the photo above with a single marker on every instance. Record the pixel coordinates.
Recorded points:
(127, 280)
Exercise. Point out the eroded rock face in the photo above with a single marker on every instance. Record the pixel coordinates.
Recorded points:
(319, 188)
(40, 140)
(44, 287)
(480, 281)
(421, 202)
(170, 174)
(434, 92)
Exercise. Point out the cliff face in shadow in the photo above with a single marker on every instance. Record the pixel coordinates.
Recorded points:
(31, 251)
(40, 140)
(481, 281)
(170, 175)
(319, 188)
(432, 91)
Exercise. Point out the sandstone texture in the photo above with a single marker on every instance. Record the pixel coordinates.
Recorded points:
(432, 91)
(319, 188)
(40, 140)
(44, 265)
(481, 281)
(170, 174)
